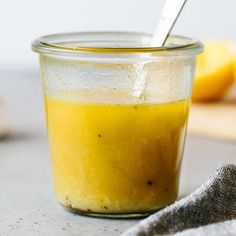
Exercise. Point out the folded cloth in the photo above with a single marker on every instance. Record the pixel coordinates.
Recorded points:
(213, 202)
(226, 228)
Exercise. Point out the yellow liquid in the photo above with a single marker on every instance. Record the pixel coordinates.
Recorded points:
(116, 158)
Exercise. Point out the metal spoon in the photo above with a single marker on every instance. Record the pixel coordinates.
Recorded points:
(170, 14)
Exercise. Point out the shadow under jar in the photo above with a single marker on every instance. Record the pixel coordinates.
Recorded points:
(117, 112)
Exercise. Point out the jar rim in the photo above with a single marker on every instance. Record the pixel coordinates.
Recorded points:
(82, 42)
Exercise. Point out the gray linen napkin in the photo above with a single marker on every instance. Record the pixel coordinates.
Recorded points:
(226, 228)
(213, 202)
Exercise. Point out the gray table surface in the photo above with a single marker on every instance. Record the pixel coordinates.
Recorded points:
(27, 203)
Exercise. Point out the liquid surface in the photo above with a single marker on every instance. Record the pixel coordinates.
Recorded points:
(116, 158)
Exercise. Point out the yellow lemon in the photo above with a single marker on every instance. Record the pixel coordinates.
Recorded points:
(214, 71)
(235, 66)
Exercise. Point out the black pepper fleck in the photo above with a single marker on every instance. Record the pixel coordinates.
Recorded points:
(135, 107)
(105, 207)
(99, 135)
(149, 182)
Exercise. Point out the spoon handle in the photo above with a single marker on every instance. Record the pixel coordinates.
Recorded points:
(170, 13)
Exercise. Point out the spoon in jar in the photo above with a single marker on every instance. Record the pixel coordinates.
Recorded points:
(170, 14)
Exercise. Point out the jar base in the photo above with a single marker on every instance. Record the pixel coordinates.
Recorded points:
(111, 215)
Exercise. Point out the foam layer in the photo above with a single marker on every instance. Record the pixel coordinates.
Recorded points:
(157, 81)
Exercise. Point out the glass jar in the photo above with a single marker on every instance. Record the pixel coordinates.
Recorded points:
(117, 112)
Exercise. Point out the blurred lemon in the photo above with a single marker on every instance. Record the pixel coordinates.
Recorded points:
(235, 65)
(214, 71)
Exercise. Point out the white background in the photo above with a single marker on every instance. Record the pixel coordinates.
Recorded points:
(21, 21)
